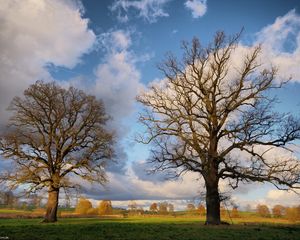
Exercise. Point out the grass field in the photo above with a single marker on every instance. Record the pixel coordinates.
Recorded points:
(160, 228)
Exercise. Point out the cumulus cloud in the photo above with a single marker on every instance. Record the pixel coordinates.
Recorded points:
(143, 170)
(131, 187)
(179, 205)
(289, 198)
(149, 10)
(117, 77)
(197, 7)
(269, 197)
(117, 82)
(35, 33)
(280, 47)
(281, 44)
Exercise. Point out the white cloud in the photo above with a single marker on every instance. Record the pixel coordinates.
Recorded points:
(117, 77)
(117, 82)
(149, 10)
(113, 41)
(270, 197)
(281, 44)
(35, 33)
(130, 187)
(197, 7)
(282, 197)
(179, 205)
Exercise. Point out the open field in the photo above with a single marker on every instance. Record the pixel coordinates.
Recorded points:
(142, 228)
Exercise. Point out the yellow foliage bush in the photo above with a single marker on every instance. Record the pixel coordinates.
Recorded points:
(83, 206)
(293, 213)
(92, 211)
(105, 207)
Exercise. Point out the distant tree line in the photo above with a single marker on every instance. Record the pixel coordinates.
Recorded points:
(279, 211)
(85, 207)
(9, 200)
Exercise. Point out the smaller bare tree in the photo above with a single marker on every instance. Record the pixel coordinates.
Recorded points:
(278, 211)
(170, 208)
(153, 207)
(263, 210)
(54, 134)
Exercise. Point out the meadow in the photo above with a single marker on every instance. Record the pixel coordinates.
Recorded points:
(146, 228)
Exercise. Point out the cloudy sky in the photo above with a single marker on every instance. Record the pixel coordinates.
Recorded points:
(110, 48)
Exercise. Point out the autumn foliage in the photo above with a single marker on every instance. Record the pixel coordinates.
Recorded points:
(263, 210)
(293, 213)
(153, 207)
(278, 211)
(105, 207)
(201, 209)
(83, 206)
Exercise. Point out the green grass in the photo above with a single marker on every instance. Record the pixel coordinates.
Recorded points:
(13, 211)
(141, 228)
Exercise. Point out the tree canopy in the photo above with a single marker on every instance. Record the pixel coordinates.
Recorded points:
(56, 134)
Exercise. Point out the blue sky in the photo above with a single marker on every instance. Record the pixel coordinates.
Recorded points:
(111, 49)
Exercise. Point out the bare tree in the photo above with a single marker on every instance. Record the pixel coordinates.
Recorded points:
(153, 207)
(278, 211)
(163, 207)
(216, 119)
(190, 207)
(170, 208)
(9, 199)
(55, 134)
(132, 206)
(263, 210)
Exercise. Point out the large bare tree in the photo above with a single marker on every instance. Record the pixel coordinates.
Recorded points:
(214, 118)
(55, 134)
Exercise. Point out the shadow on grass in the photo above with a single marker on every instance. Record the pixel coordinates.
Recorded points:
(142, 228)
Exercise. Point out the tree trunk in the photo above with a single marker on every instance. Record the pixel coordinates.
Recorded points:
(52, 205)
(212, 203)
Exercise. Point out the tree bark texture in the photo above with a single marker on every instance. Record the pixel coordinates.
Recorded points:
(52, 205)
(212, 203)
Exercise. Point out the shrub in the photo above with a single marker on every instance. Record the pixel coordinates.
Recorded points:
(153, 207)
(278, 211)
(263, 210)
(92, 211)
(293, 213)
(105, 207)
(83, 206)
